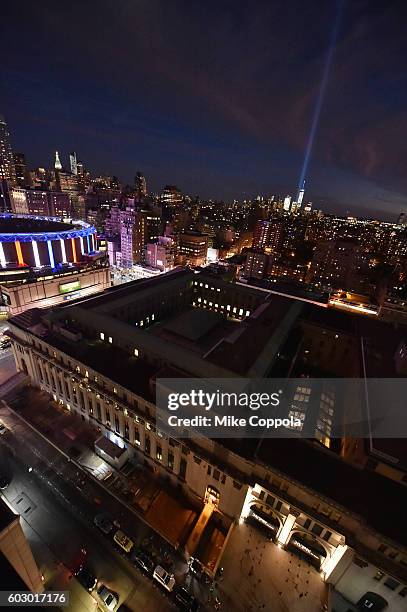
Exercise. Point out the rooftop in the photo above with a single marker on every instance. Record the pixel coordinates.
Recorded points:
(20, 225)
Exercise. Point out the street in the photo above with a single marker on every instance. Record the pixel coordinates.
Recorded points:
(56, 536)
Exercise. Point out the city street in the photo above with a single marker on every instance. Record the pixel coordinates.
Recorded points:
(57, 533)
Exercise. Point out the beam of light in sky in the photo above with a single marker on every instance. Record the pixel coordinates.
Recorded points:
(321, 92)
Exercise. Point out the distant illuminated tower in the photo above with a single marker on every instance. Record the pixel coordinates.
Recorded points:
(287, 203)
(141, 184)
(73, 162)
(7, 169)
(301, 194)
(57, 164)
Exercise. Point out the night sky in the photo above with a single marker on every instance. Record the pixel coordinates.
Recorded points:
(214, 96)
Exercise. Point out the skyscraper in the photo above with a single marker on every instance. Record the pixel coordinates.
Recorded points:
(268, 235)
(57, 164)
(141, 184)
(287, 203)
(20, 169)
(7, 169)
(73, 162)
(301, 194)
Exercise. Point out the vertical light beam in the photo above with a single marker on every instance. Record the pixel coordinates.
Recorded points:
(36, 254)
(19, 253)
(74, 250)
(88, 241)
(321, 92)
(2, 257)
(63, 250)
(81, 241)
(51, 254)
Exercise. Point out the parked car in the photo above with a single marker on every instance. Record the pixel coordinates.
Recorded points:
(185, 600)
(5, 344)
(86, 579)
(3, 428)
(196, 567)
(166, 579)
(107, 597)
(4, 481)
(143, 561)
(123, 541)
(104, 523)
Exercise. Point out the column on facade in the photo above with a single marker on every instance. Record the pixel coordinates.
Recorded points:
(332, 561)
(285, 529)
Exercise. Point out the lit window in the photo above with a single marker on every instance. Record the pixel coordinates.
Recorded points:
(110, 339)
(102, 336)
(136, 352)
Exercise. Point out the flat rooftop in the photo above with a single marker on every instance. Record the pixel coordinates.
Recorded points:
(193, 324)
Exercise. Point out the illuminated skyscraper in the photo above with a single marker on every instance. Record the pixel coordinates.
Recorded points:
(57, 164)
(20, 167)
(141, 184)
(73, 162)
(301, 195)
(7, 169)
(287, 203)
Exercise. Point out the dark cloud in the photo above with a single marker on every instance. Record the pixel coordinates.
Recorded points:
(216, 95)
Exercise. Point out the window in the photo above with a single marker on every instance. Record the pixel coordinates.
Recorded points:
(137, 436)
(182, 468)
(270, 500)
(278, 506)
(327, 535)
(237, 485)
(360, 562)
(102, 336)
(147, 445)
(197, 460)
(98, 411)
(170, 461)
(159, 453)
(209, 470)
(117, 424)
(136, 352)
(403, 592)
(391, 583)
(110, 340)
(126, 431)
(216, 474)
(317, 529)
(307, 523)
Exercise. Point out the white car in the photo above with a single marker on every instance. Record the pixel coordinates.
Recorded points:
(108, 598)
(164, 578)
(3, 428)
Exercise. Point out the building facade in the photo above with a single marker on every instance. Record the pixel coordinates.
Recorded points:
(112, 390)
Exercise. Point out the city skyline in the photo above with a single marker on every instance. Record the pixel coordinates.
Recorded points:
(215, 125)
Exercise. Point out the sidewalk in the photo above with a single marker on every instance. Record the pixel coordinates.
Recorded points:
(258, 575)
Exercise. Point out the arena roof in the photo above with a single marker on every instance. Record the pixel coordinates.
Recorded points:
(26, 228)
